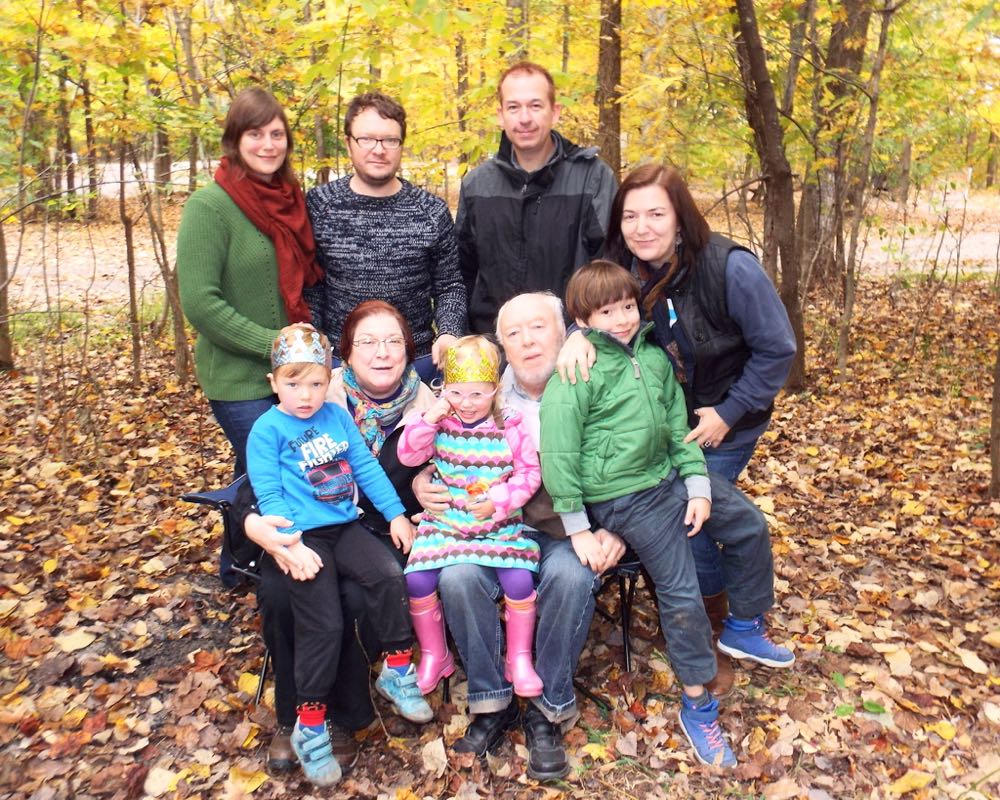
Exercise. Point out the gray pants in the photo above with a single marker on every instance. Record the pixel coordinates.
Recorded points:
(652, 522)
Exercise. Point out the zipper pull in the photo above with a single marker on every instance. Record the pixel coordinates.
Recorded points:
(635, 366)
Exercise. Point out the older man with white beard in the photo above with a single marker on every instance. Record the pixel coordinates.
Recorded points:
(531, 329)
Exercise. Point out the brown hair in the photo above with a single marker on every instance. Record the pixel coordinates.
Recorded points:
(386, 107)
(254, 108)
(598, 284)
(531, 68)
(371, 308)
(691, 225)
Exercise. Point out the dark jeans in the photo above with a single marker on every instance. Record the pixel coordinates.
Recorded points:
(652, 522)
(728, 461)
(236, 418)
(357, 618)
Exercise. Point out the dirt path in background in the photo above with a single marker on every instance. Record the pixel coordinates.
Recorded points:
(69, 265)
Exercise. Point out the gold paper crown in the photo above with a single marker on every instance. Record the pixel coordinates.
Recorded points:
(299, 346)
(465, 364)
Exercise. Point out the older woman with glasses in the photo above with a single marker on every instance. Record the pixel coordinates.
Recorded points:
(378, 385)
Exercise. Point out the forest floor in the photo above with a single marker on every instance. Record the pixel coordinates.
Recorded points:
(128, 672)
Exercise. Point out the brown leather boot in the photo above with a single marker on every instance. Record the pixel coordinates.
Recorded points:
(717, 608)
(280, 756)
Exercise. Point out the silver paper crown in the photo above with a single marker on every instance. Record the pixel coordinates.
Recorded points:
(299, 346)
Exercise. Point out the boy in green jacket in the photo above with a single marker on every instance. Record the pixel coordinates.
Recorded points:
(616, 444)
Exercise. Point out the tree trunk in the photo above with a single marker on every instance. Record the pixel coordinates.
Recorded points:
(905, 163)
(609, 76)
(66, 147)
(6, 343)
(133, 299)
(856, 196)
(184, 33)
(991, 162)
(565, 36)
(518, 31)
(762, 114)
(995, 431)
(462, 95)
(833, 121)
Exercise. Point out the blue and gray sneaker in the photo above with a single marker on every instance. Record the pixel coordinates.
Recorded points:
(747, 638)
(701, 726)
(404, 694)
(312, 746)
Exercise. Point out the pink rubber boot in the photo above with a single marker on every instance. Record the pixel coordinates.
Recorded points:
(436, 660)
(519, 669)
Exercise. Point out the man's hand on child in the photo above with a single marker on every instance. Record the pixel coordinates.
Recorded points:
(438, 411)
(577, 353)
(588, 549)
(432, 496)
(698, 511)
(401, 531)
(612, 545)
(710, 430)
(482, 509)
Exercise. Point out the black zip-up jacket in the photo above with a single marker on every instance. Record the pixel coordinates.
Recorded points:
(528, 232)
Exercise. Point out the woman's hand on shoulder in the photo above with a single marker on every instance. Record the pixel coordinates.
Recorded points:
(577, 353)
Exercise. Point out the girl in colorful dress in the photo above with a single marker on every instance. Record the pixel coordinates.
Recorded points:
(491, 469)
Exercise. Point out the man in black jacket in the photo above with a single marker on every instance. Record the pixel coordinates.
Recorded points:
(538, 210)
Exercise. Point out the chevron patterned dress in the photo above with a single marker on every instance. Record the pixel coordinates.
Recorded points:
(468, 461)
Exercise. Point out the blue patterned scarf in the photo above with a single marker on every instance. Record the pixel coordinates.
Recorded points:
(374, 417)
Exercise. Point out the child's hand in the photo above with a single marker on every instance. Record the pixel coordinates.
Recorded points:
(437, 412)
(698, 511)
(588, 549)
(482, 509)
(402, 533)
(305, 562)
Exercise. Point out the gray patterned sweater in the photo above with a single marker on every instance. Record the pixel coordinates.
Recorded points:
(400, 249)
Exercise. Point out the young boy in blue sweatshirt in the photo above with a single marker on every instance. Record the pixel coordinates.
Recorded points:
(305, 460)
(616, 444)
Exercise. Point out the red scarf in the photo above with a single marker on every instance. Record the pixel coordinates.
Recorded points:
(278, 210)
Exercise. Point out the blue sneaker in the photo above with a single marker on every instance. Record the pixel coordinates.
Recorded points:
(747, 638)
(701, 726)
(316, 758)
(404, 694)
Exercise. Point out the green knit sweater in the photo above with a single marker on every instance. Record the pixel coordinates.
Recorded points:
(228, 275)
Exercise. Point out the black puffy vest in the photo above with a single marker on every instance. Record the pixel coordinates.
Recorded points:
(700, 302)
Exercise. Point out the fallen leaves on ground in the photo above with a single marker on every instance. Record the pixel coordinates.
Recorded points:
(129, 673)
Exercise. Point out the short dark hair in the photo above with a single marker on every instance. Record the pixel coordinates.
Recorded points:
(598, 284)
(531, 68)
(691, 223)
(386, 107)
(371, 308)
(254, 108)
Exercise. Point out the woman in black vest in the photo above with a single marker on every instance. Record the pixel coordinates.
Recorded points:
(719, 318)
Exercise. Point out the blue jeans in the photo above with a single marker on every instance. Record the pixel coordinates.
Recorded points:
(236, 418)
(727, 461)
(652, 522)
(565, 590)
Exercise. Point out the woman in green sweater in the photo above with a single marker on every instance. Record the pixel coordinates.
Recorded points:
(245, 252)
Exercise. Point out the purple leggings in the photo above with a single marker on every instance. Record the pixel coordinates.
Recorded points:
(517, 583)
